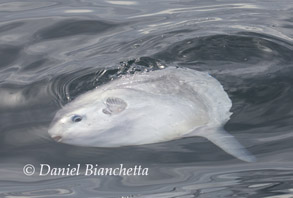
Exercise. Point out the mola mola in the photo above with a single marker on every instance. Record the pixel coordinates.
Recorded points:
(149, 107)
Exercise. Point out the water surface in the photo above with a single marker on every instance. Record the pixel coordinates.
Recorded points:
(53, 51)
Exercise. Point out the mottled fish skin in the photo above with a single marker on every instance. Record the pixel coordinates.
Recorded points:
(149, 107)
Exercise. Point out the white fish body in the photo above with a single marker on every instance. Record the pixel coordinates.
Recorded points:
(147, 108)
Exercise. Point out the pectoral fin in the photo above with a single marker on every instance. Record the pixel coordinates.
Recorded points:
(227, 142)
(114, 105)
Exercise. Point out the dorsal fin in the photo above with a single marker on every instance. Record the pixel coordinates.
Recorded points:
(114, 105)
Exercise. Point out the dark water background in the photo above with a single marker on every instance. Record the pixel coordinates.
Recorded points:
(52, 51)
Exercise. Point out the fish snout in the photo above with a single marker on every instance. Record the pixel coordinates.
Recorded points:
(57, 138)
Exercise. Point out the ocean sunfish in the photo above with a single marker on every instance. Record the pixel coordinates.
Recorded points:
(149, 107)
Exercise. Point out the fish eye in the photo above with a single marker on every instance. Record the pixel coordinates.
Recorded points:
(76, 118)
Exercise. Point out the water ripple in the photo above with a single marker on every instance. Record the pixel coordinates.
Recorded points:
(53, 51)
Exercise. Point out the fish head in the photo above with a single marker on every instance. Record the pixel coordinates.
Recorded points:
(84, 123)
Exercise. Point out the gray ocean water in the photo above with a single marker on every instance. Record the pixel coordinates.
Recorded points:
(52, 51)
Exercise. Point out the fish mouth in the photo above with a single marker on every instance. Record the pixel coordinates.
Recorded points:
(57, 138)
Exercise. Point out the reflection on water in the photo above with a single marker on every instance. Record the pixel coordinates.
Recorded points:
(53, 51)
(166, 181)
